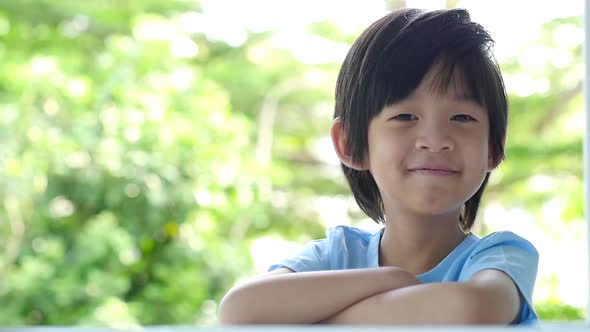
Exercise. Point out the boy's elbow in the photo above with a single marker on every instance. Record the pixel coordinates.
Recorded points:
(232, 310)
(478, 310)
(224, 315)
(228, 311)
(226, 318)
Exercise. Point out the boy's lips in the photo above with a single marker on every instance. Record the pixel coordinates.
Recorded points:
(438, 170)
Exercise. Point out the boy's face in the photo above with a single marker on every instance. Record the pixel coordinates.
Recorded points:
(429, 153)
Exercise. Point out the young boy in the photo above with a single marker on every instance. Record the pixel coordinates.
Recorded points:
(420, 123)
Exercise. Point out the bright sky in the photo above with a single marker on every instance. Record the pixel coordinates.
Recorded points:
(512, 23)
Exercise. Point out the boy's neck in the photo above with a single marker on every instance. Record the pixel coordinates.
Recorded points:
(419, 245)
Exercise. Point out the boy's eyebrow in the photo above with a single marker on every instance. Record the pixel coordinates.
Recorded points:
(472, 100)
(460, 97)
(467, 98)
(464, 97)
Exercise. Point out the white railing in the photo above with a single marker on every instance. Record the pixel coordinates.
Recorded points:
(563, 327)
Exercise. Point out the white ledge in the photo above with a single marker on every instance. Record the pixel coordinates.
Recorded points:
(549, 327)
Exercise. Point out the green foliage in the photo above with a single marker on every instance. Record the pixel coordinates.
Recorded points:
(130, 192)
(140, 159)
(559, 311)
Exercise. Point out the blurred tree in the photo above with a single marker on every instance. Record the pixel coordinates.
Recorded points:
(130, 186)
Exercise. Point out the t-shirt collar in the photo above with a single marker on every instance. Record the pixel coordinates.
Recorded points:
(373, 251)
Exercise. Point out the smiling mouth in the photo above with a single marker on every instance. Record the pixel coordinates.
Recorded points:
(433, 171)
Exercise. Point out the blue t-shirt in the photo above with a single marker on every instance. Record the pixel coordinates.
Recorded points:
(352, 248)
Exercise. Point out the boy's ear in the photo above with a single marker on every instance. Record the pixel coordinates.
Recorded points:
(340, 141)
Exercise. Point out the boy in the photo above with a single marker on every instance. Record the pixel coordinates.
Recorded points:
(420, 123)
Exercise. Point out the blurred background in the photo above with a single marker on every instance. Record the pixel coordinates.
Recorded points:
(153, 153)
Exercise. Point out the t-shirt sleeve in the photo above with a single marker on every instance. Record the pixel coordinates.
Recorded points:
(314, 256)
(513, 255)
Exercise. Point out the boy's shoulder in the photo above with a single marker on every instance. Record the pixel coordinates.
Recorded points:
(506, 238)
(350, 233)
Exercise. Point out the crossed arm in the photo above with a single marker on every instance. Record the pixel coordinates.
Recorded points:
(385, 295)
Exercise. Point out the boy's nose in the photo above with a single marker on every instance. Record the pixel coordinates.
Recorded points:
(435, 142)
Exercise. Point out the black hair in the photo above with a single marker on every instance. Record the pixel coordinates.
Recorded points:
(389, 60)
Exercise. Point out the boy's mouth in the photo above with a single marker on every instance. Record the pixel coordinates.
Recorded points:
(434, 170)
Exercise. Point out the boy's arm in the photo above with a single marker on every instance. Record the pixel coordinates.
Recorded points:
(307, 297)
(489, 297)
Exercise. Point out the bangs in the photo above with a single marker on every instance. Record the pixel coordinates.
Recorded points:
(462, 79)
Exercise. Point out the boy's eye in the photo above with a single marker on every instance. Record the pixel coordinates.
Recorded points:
(405, 117)
(463, 117)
